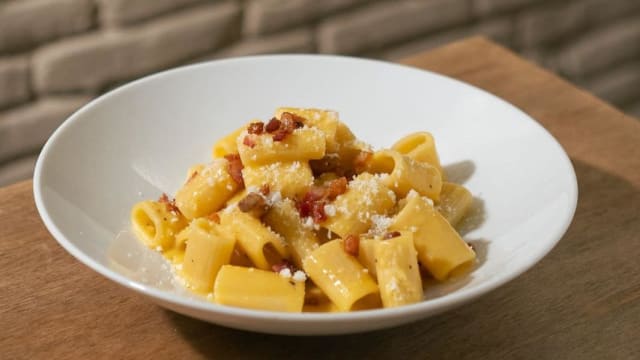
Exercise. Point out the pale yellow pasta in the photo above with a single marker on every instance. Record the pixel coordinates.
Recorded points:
(262, 225)
(227, 145)
(397, 271)
(193, 170)
(263, 246)
(440, 248)
(155, 224)
(346, 148)
(325, 120)
(288, 178)
(181, 240)
(207, 191)
(419, 146)
(283, 218)
(367, 255)
(207, 249)
(257, 289)
(302, 144)
(406, 174)
(455, 202)
(365, 197)
(344, 135)
(339, 275)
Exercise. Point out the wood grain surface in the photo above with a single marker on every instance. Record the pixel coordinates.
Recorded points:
(582, 301)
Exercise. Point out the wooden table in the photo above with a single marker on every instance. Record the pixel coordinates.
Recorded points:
(582, 301)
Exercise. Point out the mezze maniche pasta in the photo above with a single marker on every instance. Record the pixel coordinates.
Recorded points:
(297, 214)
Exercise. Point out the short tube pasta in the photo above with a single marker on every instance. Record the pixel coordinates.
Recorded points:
(257, 289)
(367, 255)
(206, 191)
(290, 179)
(325, 120)
(302, 144)
(340, 276)
(207, 250)
(440, 248)
(155, 224)
(366, 197)
(421, 147)
(227, 145)
(263, 246)
(397, 271)
(406, 174)
(284, 218)
(297, 214)
(455, 202)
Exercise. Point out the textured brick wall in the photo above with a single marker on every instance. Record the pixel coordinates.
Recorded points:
(55, 55)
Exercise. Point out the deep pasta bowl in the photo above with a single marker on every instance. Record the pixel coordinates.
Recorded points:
(135, 143)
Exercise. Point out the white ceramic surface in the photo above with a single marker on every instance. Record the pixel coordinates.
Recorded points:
(138, 140)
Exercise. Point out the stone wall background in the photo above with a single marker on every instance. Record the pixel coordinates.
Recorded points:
(55, 55)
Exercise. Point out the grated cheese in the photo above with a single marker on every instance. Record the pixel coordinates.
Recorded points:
(299, 276)
(330, 210)
(379, 225)
(285, 273)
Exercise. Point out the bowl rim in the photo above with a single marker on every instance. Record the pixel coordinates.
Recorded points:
(431, 305)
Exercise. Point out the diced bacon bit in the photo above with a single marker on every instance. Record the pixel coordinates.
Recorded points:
(352, 244)
(391, 235)
(315, 199)
(470, 245)
(253, 201)
(297, 120)
(337, 187)
(316, 193)
(163, 199)
(285, 126)
(256, 128)
(317, 212)
(280, 135)
(264, 189)
(214, 217)
(325, 165)
(234, 168)
(171, 204)
(272, 125)
(283, 265)
(248, 141)
(361, 160)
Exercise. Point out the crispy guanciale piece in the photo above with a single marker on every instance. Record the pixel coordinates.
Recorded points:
(326, 164)
(256, 128)
(272, 125)
(248, 141)
(171, 204)
(352, 244)
(234, 168)
(314, 201)
(283, 127)
(253, 202)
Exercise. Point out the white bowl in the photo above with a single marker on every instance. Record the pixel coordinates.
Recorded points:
(138, 140)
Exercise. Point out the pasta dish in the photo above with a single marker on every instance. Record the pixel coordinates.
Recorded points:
(297, 214)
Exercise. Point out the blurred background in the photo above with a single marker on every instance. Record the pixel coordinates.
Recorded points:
(55, 55)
